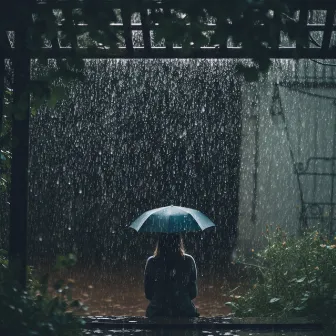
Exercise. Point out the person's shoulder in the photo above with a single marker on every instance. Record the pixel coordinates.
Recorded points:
(189, 257)
(150, 259)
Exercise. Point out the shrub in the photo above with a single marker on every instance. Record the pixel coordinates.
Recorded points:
(296, 278)
(41, 309)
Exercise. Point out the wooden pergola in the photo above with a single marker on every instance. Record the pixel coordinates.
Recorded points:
(15, 22)
(146, 27)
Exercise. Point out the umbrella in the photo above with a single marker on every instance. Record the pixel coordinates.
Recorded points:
(171, 219)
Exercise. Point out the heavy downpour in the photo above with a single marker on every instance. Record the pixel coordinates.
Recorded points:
(164, 193)
(139, 135)
(135, 136)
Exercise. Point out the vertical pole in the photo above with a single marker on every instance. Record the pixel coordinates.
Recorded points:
(2, 89)
(333, 177)
(256, 118)
(237, 140)
(20, 149)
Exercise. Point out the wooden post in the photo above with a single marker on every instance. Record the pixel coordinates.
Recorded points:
(20, 148)
(2, 89)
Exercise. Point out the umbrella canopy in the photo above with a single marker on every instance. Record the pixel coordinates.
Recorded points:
(171, 219)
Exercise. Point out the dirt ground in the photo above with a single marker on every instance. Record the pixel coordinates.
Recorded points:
(115, 292)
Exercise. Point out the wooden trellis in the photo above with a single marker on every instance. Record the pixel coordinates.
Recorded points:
(137, 28)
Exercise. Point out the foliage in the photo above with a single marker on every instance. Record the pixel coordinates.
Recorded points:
(40, 310)
(296, 278)
(252, 25)
(5, 150)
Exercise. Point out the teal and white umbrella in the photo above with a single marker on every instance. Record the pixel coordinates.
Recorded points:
(172, 219)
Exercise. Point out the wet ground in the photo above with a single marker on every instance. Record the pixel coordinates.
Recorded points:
(203, 326)
(112, 294)
(221, 326)
(177, 332)
(120, 292)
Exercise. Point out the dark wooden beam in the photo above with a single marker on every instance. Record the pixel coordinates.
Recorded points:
(310, 4)
(167, 14)
(69, 21)
(2, 89)
(329, 26)
(297, 4)
(161, 52)
(277, 21)
(151, 26)
(303, 19)
(145, 26)
(20, 150)
(126, 18)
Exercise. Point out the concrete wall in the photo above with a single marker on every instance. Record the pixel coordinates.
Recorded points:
(272, 145)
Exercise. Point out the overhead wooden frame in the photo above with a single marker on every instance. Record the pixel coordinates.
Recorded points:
(322, 47)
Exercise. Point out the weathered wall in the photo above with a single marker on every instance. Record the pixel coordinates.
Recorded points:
(269, 188)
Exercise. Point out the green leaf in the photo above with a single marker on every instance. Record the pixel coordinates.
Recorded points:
(3, 253)
(33, 111)
(299, 308)
(231, 304)
(273, 300)
(301, 280)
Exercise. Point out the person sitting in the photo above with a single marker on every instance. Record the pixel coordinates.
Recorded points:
(170, 279)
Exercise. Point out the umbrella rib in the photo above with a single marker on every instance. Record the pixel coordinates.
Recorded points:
(198, 222)
(146, 215)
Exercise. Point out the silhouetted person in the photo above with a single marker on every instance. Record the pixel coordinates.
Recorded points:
(170, 279)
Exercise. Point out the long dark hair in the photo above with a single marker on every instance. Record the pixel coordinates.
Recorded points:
(169, 245)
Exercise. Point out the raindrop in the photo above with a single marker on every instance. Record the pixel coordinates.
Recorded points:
(40, 238)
